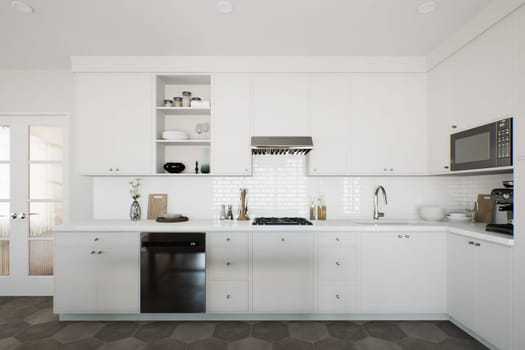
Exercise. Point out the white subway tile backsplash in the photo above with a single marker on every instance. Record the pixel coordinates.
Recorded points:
(279, 187)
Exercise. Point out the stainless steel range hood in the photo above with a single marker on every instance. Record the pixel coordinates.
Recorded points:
(282, 145)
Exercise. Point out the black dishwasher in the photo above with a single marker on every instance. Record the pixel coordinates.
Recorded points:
(173, 272)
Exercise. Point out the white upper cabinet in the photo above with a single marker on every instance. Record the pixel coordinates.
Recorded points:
(327, 109)
(113, 123)
(231, 153)
(280, 105)
(388, 119)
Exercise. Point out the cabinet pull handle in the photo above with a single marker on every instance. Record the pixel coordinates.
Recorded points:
(477, 244)
(228, 263)
(391, 169)
(117, 169)
(338, 263)
(227, 296)
(400, 236)
(446, 167)
(471, 243)
(407, 236)
(95, 239)
(99, 252)
(337, 296)
(454, 126)
(92, 252)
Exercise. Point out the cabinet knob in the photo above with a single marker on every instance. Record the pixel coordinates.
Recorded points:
(110, 169)
(337, 296)
(315, 169)
(95, 239)
(92, 252)
(338, 263)
(246, 170)
(117, 169)
(99, 252)
(13, 215)
(227, 296)
(337, 239)
(454, 126)
(391, 169)
(477, 244)
(384, 169)
(228, 239)
(282, 239)
(400, 236)
(446, 167)
(407, 236)
(228, 263)
(471, 243)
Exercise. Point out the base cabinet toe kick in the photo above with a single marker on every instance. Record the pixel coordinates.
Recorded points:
(427, 275)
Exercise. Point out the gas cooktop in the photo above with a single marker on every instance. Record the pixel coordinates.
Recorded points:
(281, 221)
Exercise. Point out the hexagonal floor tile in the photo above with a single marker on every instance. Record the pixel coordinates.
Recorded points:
(451, 329)
(232, 331)
(165, 344)
(270, 331)
(251, 344)
(116, 331)
(78, 331)
(40, 331)
(384, 330)
(209, 344)
(292, 344)
(417, 344)
(155, 330)
(334, 344)
(193, 331)
(84, 344)
(346, 331)
(376, 344)
(124, 344)
(40, 344)
(41, 316)
(308, 331)
(12, 328)
(9, 343)
(453, 343)
(423, 330)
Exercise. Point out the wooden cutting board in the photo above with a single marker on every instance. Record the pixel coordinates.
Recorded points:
(485, 210)
(157, 205)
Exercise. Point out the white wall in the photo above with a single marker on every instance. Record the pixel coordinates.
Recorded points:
(48, 92)
(279, 187)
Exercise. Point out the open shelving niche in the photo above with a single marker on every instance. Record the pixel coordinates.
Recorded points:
(184, 119)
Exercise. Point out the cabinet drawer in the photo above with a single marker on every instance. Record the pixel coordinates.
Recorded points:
(229, 264)
(338, 239)
(338, 264)
(227, 297)
(227, 239)
(338, 297)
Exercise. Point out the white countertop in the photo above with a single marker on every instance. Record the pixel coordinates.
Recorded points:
(474, 230)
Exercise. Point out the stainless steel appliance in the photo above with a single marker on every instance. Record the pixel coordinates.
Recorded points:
(173, 273)
(486, 146)
(504, 198)
(281, 221)
(282, 145)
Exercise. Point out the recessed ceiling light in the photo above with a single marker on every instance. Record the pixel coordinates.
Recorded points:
(21, 6)
(427, 7)
(224, 7)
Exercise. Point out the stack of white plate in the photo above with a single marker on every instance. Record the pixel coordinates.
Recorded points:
(460, 217)
(174, 135)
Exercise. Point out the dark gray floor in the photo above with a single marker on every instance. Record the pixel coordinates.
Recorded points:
(28, 323)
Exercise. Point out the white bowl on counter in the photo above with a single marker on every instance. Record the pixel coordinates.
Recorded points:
(174, 135)
(432, 213)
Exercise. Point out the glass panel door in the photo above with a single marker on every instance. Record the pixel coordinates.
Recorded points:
(31, 201)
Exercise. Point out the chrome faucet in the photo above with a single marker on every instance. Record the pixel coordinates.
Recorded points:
(377, 213)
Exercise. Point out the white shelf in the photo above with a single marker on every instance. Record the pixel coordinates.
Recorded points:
(184, 110)
(185, 142)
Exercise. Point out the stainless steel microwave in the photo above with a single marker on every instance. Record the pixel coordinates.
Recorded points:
(486, 146)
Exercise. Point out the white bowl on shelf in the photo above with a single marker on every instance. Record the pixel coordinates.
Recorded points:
(174, 135)
(432, 213)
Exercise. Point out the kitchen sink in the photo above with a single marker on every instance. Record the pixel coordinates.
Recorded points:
(388, 222)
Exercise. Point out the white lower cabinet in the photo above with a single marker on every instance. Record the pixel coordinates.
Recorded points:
(479, 288)
(283, 272)
(338, 297)
(227, 270)
(404, 272)
(97, 273)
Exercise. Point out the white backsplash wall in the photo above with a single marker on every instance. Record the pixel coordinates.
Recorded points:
(279, 187)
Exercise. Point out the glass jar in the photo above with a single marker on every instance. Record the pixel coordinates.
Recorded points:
(186, 99)
(168, 103)
(177, 102)
(195, 99)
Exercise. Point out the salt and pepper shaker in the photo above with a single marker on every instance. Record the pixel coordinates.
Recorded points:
(229, 216)
(196, 167)
(223, 212)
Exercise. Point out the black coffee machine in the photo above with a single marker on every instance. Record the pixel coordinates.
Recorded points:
(504, 198)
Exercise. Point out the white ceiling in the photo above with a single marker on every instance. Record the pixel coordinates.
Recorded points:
(59, 29)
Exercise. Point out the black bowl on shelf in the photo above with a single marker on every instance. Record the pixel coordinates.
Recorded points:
(174, 168)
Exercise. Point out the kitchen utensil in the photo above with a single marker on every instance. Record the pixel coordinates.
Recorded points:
(157, 205)
(174, 168)
(485, 212)
(179, 219)
(432, 213)
(174, 135)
